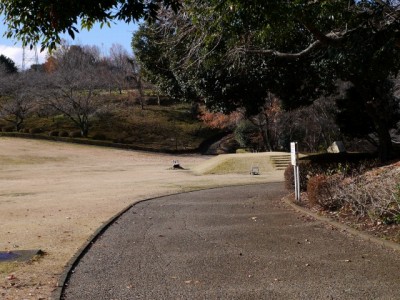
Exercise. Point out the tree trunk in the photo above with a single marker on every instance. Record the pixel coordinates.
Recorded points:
(377, 107)
(378, 110)
(84, 128)
(385, 141)
(84, 132)
(140, 89)
(265, 136)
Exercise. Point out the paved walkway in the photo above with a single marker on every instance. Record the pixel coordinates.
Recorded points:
(230, 243)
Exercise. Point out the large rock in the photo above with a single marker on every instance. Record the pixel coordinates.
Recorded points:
(336, 147)
(225, 145)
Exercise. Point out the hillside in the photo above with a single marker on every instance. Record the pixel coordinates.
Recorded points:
(169, 127)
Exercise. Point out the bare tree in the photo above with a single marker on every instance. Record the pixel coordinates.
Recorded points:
(312, 126)
(267, 122)
(74, 89)
(120, 69)
(16, 98)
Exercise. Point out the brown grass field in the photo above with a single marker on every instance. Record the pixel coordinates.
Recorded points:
(53, 197)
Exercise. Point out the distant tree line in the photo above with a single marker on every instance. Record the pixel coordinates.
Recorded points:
(237, 55)
(73, 81)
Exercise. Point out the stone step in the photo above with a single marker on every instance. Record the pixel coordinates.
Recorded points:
(280, 162)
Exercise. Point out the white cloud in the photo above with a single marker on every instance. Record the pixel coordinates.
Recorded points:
(15, 53)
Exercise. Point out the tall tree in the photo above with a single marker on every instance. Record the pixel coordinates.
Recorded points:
(355, 41)
(120, 68)
(159, 58)
(297, 50)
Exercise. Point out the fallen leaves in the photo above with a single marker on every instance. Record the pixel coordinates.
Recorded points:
(195, 282)
(12, 277)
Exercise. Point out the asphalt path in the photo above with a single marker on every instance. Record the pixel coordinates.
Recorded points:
(230, 243)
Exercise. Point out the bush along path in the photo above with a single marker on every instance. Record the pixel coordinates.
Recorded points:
(359, 194)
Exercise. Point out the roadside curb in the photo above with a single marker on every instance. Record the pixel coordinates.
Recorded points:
(345, 228)
(68, 268)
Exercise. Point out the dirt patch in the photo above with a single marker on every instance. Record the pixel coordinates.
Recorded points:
(55, 195)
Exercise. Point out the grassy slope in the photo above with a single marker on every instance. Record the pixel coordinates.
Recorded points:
(159, 127)
(236, 163)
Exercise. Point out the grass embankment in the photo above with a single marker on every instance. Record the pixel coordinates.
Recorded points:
(168, 127)
(239, 163)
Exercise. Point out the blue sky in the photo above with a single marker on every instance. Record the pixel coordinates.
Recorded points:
(119, 33)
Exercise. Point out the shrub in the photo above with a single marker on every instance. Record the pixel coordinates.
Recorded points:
(53, 133)
(329, 164)
(35, 130)
(289, 176)
(244, 133)
(99, 136)
(374, 195)
(8, 129)
(242, 150)
(152, 101)
(119, 141)
(321, 191)
(63, 134)
(75, 134)
(343, 163)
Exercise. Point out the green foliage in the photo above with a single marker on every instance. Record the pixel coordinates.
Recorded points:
(157, 61)
(45, 21)
(8, 129)
(75, 134)
(344, 158)
(8, 64)
(63, 133)
(187, 57)
(234, 53)
(99, 136)
(352, 117)
(243, 133)
(54, 133)
(35, 130)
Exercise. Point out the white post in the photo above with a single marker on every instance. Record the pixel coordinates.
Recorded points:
(296, 172)
(298, 182)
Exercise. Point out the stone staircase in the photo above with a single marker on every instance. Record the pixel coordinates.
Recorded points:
(281, 161)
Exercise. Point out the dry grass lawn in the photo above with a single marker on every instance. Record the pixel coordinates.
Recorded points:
(53, 196)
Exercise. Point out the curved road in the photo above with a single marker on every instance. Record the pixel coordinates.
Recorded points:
(230, 243)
